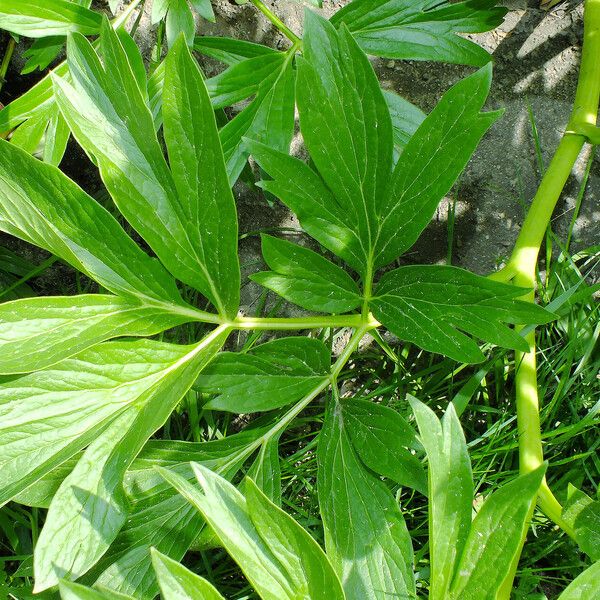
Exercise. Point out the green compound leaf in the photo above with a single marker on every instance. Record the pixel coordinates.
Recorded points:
(349, 137)
(178, 583)
(431, 162)
(431, 305)
(36, 19)
(306, 278)
(381, 437)
(585, 586)
(109, 116)
(278, 557)
(90, 507)
(450, 492)
(365, 535)
(267, 377)
(38, 332)
(421, 29)
(42, 206)
(494, 540)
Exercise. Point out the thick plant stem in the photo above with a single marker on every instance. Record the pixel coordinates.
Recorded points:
(289, 34)
(521, 267)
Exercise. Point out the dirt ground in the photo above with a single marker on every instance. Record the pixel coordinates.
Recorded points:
(536, 55)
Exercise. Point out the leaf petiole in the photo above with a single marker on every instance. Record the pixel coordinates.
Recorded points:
(265, 10)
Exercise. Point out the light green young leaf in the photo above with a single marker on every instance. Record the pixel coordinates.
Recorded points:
(352, 121)
(70, 545)
(243, 79)
(450, 493)
(38, 332)
(494, 540)
(75, 400)
(431, 162)
(180, 21)
(365, 535)
(75, 591)
(229, 50)
(583, 514)
(585, 586)
(42, 206)
(306, 278)
(204, 9)
(381, 438)
(421, 29)
(178, 583)
(267, 377)
(109, 117)
(431, 305)
(266, 470)
(269, 119)
(36, 19)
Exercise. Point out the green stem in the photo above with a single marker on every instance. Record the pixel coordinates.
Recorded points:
(354, 320)
(265, 10)
(521, 267)
(10, 48)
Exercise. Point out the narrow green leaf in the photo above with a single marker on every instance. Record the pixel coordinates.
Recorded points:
(365, 535)
(450, 493)
(431, 305)
(269, 119)
(243, 79)
(431, 162)
(406, 119)
(42, 52)
(204, 9)
(269, 376)
(178, 583)
(349, 137)
(229, 50)
(42, 206)
(226, 511)
(198, 169)
(109, 117)
(583, 514)
(36, 19)
(180, 21)
(69, 546)
(266, 470)
(303, 559)
(585, 586)
(381, 438)
(38, 332)
(75, 591)
(306, 278)
(421, 29)
(494, 541)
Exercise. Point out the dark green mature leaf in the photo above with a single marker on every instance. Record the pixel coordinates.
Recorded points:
(69, 545)
(178, 583)
(75, 591)
(229, 50)
(352, 122)
(431, 162)
(381, 437)
(243, 79)
(583, 514)
(198, 169)
(495, 539)
(365, 535)
(428, 305)
(42, 206)
(406, 118)
(278, 557)
(585, 586)
(267, 377)
(421, 29)
(306, 278)
(110, 118)
(450, 492)
(36, 19)
(269, 119)
(38, 332)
